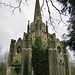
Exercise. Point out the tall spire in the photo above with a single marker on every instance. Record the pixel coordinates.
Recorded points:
(37, 15)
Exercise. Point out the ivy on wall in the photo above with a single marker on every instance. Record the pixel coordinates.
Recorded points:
(40, 57)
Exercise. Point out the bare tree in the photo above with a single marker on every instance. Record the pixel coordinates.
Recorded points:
(5, 57)
(1, 55)
(0, 49)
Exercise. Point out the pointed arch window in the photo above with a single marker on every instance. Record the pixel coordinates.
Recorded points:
(18, 49)
(59, 49)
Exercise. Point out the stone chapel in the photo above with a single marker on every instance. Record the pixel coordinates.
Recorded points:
(21, 53)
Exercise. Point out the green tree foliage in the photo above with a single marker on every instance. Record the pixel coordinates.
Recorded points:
(39, 57)
(69, 5)
(2, 68)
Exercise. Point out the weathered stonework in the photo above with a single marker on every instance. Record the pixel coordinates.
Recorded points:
(73, 68)
(21, 52)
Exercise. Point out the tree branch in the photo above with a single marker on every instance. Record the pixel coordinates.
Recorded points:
(50, 18)
(59, 11)
(14, 7)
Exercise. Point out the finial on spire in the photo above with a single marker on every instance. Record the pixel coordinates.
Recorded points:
(46, 23)
(28, 22)
(46, 27)
(28, 26)
(37, 15)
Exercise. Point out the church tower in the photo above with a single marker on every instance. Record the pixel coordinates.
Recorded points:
(38, 28)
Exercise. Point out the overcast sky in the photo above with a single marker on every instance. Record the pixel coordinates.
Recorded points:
(12, 26)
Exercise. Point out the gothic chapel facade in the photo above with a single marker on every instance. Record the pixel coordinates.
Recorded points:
(20, 53)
